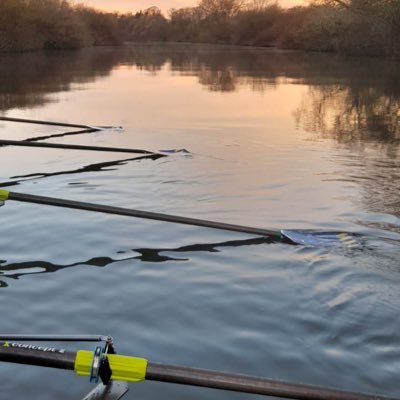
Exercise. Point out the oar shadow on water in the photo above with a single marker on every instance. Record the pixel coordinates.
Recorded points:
(97, 167)
(148, 254)
(58, 135)
(19, 269)
(16, 270)
(156, 254)
(103, 166)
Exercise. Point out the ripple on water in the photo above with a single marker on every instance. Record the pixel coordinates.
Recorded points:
(180, 294)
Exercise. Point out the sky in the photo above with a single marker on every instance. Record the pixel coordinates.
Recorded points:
(164, 5)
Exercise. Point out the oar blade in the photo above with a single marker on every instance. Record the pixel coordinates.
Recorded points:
(322, 238)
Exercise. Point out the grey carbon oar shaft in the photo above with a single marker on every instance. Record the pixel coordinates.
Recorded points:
(39, 122)
(57, 202)
(71, 146)
(249, 384)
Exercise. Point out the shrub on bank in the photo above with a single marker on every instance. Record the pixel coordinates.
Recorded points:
(53, 24)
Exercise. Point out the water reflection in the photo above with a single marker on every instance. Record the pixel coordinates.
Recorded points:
(29, 79)
(351, 100)
(18, 269)
(96, 167)
(349, 113)
(348, 99)
(365, 119)
(377, 247)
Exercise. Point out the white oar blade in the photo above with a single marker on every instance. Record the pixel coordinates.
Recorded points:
(322, 239)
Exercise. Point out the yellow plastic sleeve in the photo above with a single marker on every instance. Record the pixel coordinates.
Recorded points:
(83, 362)
(129, 369)
(4, 194)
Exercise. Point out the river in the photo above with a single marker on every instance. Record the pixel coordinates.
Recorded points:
(273, 139)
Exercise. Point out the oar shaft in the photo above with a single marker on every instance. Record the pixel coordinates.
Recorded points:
(249, 384)
(51, 201)
(33, 121)
(61, 359)
(71, 146)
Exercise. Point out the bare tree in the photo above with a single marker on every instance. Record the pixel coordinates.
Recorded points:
(259, 5)
(223, 8)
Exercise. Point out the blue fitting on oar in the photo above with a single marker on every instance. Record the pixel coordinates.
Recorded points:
(321, 239)
(96, 364)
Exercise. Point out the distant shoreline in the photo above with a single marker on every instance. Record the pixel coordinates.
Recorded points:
(339, 27)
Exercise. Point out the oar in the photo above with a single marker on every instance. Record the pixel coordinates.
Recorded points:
(114, 367)
(39, 122)
(307, 238)
(27, 143)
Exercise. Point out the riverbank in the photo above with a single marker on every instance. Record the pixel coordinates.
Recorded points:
(53, 25)
(338, 27)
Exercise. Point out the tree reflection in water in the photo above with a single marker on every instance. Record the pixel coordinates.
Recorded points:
(354, 101)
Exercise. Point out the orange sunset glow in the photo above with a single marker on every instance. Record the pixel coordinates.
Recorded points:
(164, 5)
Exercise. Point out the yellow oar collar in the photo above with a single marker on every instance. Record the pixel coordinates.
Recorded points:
(4, 194)
(129, 369)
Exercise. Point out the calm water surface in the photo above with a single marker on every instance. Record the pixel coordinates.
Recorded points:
(276, 140)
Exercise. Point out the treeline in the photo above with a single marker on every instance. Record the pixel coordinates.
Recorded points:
(54, 24)
(361, 27)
